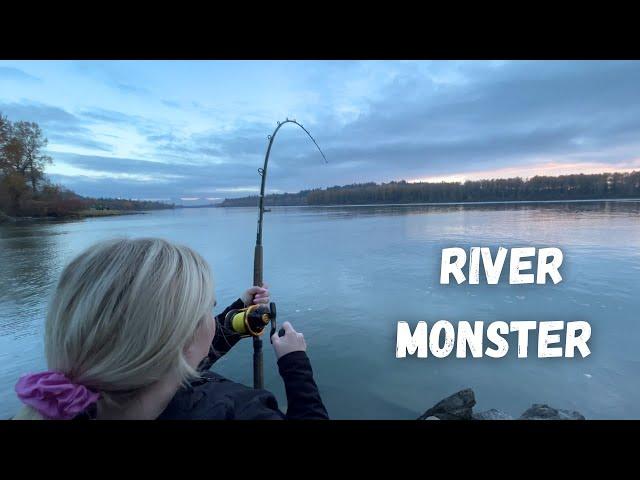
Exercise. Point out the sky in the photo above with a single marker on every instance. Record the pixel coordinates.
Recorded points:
(196, 131)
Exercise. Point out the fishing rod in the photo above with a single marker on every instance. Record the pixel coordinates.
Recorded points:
(252, 321)
(258, 378)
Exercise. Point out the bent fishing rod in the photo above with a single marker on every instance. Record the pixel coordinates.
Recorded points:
(258, 378)
(252, 320)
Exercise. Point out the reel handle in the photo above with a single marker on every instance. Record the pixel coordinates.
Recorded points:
(281, 333)
(272, 309)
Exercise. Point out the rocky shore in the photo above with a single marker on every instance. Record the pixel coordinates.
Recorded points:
(459, 406)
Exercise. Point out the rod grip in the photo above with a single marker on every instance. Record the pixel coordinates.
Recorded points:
(257, 266)
(258, 375)
(258, 372)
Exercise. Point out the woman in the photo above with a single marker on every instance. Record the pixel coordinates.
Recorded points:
(130, 335)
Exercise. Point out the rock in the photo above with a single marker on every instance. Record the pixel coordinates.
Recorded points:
(459, 406)
(545, 412)
(492, 414)
(455, 407)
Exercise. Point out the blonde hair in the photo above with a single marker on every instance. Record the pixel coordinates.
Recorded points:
(122, 315)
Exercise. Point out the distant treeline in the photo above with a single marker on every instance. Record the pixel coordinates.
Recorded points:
(124, 205)
(564, 187)
(279, 199)
(26, 192)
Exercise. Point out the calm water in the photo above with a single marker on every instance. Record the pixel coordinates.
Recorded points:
(346, 275)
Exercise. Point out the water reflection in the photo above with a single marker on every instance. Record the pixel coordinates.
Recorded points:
(621, 207)
(28, 270)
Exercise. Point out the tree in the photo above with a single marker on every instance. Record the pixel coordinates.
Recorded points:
(564, 187)
(22, 163)
(4, 138)
(13, 193)
(13, 154)
(32, 161)
(4, 129)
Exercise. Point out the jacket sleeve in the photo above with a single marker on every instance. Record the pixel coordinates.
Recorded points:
(303, 397)
(224, 338)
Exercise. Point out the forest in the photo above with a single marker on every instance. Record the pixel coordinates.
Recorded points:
(25, 191)
(538, 188)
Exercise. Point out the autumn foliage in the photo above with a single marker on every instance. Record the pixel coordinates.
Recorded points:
(24, 189)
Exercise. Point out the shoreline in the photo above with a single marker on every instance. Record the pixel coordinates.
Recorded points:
(7, 219)
(435, 204)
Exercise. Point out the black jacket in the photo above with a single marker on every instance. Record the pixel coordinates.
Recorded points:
(213, 397)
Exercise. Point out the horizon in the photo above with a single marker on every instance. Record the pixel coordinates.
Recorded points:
(186, 132)
(525, 179)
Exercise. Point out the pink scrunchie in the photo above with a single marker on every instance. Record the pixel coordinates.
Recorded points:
(54, 395)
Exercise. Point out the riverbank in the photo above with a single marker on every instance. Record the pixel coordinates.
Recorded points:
(108, 213)
(91, 213)
(441, 204)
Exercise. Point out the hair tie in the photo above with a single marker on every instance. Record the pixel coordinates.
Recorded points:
(54, 395)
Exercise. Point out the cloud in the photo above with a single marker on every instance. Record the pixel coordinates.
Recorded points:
(515, 115)
(171, 103)
(375, 121)
(11, 73)
(109, 116)
(111, 74)
(76, 140)
(130, 89)
(45, 115)
(166, 138)
(143, 125)
(58, 125)
(149, 179)
(542, 168)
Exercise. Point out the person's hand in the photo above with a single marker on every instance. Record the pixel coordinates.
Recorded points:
(256, 295)
(291, 341)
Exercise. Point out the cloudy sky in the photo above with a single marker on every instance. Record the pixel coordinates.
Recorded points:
(198, 130)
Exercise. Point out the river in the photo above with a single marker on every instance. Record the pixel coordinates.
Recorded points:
(345, 276)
